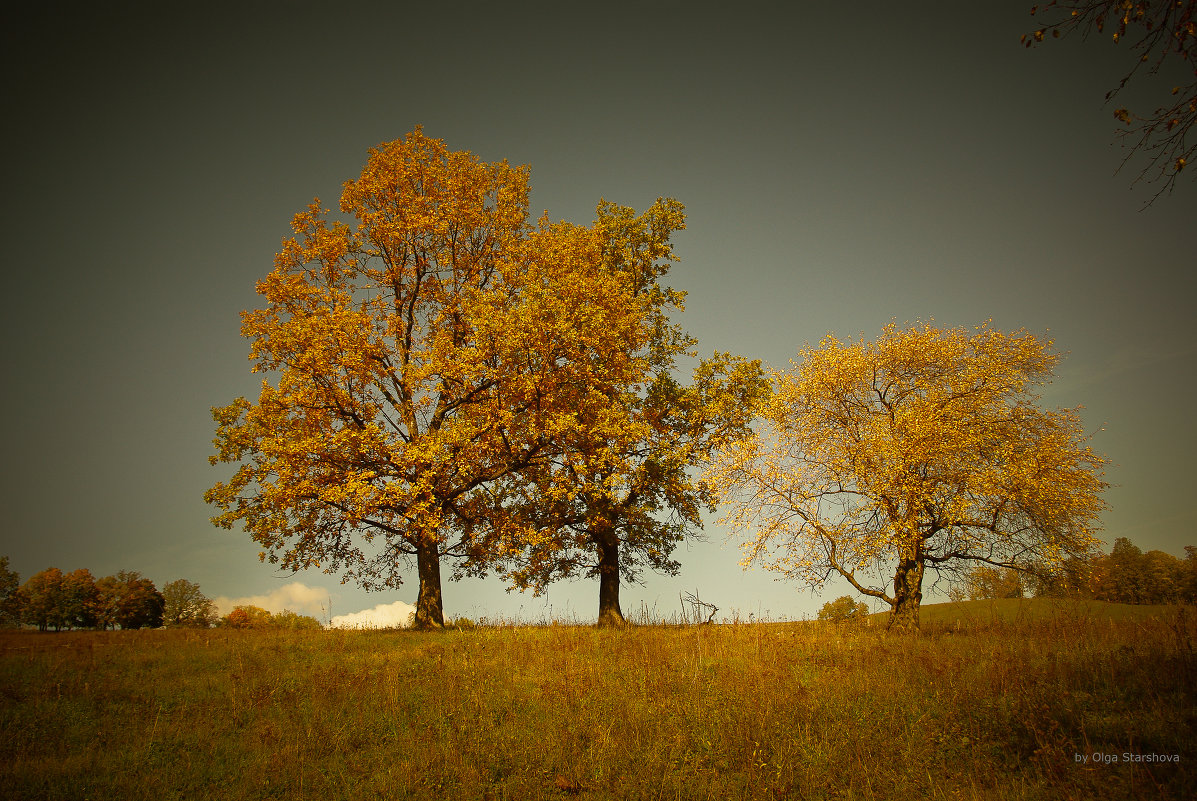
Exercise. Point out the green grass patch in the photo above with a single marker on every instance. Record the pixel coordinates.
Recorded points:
(1065, 611)
(996, 707)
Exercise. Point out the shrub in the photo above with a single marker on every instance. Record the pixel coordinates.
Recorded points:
(294, 621)
(843, 610)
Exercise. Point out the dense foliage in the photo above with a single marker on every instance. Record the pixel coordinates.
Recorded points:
(55, 600)
(447, 380)
(247, 616)
(1125, 575)
(844, 610)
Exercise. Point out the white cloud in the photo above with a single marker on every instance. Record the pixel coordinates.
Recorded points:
(296, 596)
(383, 616)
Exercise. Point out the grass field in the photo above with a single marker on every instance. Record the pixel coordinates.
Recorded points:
(995, 700)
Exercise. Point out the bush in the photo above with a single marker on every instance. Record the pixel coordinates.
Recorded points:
(844, 610)
(254, 617)
(247, 617)
(294, 621)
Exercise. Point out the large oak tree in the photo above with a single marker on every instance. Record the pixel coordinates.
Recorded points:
(927, 448)
(434, 344)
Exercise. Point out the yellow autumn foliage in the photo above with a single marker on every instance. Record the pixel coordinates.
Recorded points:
(924, 448)
(429, 342)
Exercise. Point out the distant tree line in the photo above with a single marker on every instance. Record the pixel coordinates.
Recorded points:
(1126, 575)
(55, 600)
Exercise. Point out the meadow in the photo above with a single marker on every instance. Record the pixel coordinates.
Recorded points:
(993, 700)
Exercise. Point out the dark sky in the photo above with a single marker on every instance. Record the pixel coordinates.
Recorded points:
(842, 165)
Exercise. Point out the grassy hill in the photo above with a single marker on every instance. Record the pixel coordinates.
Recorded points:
(996, 700)
(1012, 611)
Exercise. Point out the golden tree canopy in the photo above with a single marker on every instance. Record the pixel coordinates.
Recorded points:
(436, 342)
(927, 447)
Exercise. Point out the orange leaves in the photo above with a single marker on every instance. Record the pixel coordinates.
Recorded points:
(430, 347)
(625, 441)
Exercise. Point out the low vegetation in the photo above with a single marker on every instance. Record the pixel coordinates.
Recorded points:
(1001, 699)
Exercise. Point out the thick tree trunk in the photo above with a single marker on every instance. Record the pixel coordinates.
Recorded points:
(429, 605)
(608, 611)
(908, 591)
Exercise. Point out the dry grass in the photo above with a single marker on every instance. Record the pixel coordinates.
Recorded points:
(985, 709)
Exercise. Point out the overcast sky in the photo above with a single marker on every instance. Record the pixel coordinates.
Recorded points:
(842, 165)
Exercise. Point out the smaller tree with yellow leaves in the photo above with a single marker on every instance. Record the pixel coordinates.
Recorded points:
(926, 449)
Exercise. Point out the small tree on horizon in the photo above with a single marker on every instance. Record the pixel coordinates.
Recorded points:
(985, 582)
(184, 604)
(134, 602)
(844, 610)
(247, 616)
(79, 599)
(293, 621)
(41, 600)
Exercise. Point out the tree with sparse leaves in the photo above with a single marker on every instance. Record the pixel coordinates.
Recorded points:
(926, 449)
(1161, 32)
(432, 347)
(1075, 577)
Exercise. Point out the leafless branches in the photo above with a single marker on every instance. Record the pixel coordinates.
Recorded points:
(1162, 31)
(699, 607)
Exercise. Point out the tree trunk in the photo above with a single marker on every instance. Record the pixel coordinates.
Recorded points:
(429, 605)
(908, 591)
(608, 548)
